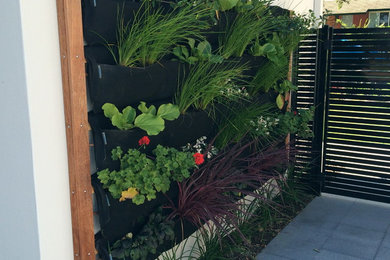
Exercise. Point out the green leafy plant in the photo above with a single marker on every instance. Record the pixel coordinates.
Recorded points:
(157, 231)
(273, 50)
(200, 52)
(249, 24)
(296, 122)
(207, 84)
(283, 88)
(150, 119)
(263, 123)
(140, 176)
(273, 72)
(152, 33)
(279, 125)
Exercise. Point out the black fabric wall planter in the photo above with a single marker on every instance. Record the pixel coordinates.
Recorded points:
(100, 18)
(119, 218)
(102, 243)
(98, 54)
(125, 86)
(186, 129)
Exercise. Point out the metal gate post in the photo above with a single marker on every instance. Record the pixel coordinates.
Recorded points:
(322, 79)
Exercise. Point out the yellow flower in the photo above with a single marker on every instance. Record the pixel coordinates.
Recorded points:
(128, 194)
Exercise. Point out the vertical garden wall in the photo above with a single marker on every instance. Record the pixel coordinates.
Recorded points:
(188, 112)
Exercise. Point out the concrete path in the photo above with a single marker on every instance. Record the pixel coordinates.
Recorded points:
(334, 228)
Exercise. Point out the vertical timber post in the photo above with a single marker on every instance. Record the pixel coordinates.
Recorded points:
(76, 117)
(322, 81)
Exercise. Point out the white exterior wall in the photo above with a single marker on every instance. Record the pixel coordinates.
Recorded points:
(35, 220)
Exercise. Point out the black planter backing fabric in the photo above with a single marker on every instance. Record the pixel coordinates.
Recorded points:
(99, 54)
(100, 18)
(123, 86)
(186, 129)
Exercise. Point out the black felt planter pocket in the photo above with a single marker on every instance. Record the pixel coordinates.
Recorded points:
(119, 218)
(180, 229)
(100, 18)
(106, 138)
(186, 129)
(123, 86)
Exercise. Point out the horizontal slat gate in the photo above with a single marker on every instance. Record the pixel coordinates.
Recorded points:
(357, 134)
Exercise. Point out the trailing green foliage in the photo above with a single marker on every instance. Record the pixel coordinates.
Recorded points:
(296, 122)
(208, 83)
(144, 176)
(152, 33)
(150, 119)
(157, 231)
(251, 23)
(200, 52)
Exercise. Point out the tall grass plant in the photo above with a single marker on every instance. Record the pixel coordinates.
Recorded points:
(152, 33)
(207, 84)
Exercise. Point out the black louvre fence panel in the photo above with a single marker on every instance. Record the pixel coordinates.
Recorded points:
(304, 70)
(357, 134)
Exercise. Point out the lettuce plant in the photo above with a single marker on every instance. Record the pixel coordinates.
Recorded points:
(201, 52)
(150, 120)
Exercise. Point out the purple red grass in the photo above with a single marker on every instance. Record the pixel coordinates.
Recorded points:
(211, 192)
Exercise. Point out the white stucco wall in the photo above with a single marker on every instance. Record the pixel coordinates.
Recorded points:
(35, 220)
(302, 6)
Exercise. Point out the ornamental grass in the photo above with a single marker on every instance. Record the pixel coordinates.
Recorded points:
(152, 33)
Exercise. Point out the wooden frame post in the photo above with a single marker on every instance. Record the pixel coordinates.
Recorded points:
(76, 117)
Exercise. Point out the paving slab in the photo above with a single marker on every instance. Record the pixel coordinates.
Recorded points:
(334, 227)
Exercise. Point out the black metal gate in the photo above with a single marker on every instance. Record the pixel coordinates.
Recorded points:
(345, 73)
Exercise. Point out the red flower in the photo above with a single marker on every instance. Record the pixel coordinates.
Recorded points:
(199, 159)
(295, 113)
(144, 141)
